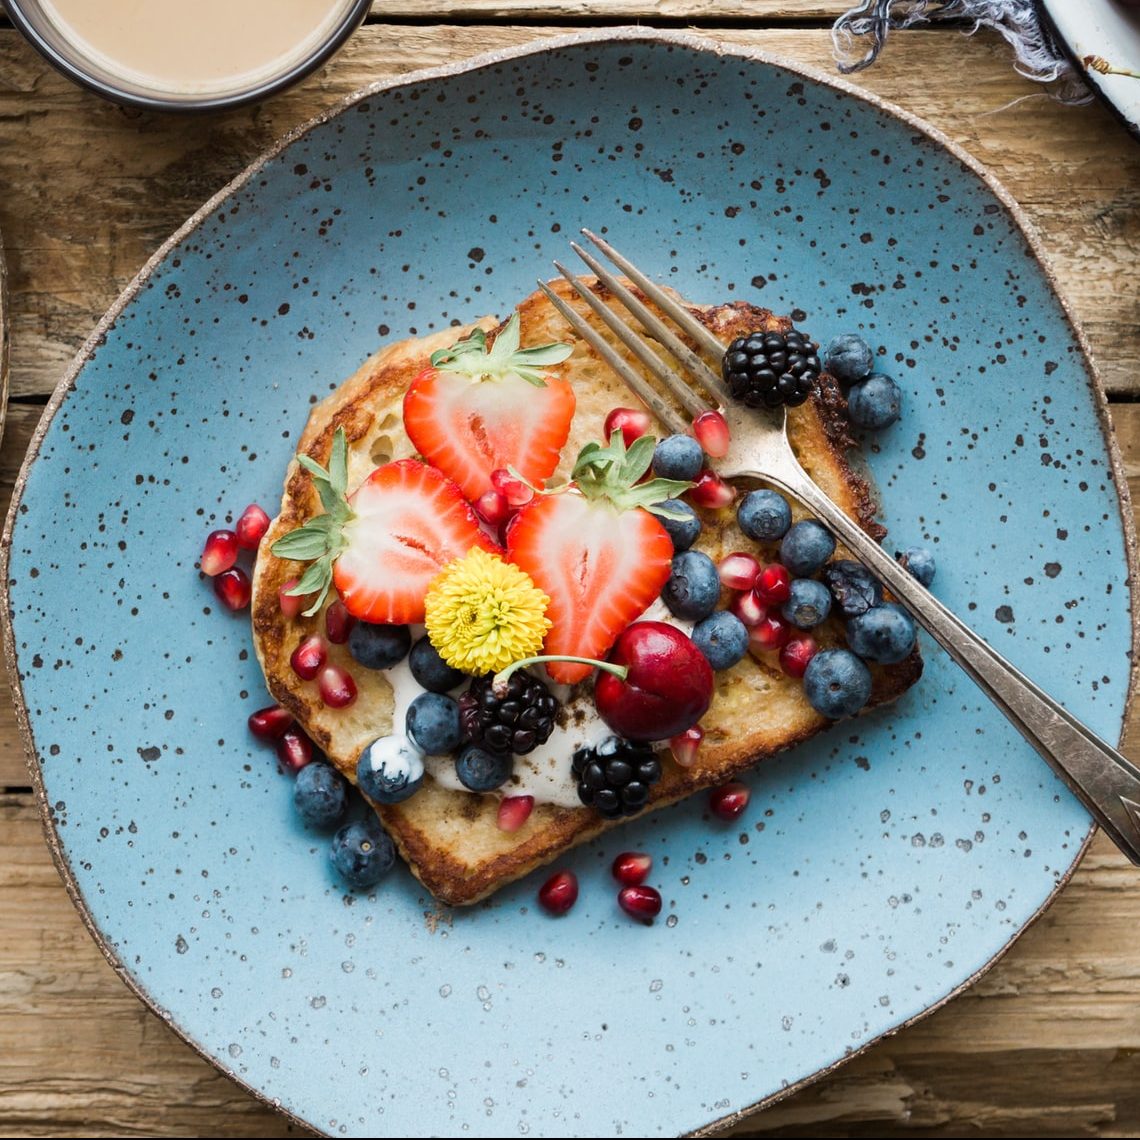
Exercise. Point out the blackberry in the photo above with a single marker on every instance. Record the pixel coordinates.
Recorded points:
(765, 370)
(518, 721)
(614, 777)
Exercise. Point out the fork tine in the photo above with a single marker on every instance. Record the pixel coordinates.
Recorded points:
(640, 388)
(687, 358)
(691, 402)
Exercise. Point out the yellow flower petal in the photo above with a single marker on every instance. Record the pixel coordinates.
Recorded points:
(483, 613)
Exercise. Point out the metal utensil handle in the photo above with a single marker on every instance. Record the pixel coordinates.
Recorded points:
(1107, 783)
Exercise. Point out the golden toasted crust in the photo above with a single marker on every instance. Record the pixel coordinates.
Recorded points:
(451, 839)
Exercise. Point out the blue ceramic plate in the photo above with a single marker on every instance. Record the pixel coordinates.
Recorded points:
(877, 870)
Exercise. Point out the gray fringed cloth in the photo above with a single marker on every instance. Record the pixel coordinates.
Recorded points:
(1038, 57)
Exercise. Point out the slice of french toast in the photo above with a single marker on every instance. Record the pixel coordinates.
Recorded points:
(451, 839)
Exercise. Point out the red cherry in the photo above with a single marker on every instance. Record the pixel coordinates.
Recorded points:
(338, 623)
(559, 893)
(514, 811)
(711, 491)
(667, 689)
(794, 657)
(251, 527)
(729, 801)
(270, 723)
(640, 902)
(711, 431)
(309, 657)
(219, 553)
(631, 868)
(774, 585)
(633, 423)
(233, 588)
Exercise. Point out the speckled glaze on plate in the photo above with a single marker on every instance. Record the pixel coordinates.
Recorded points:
(877, 870)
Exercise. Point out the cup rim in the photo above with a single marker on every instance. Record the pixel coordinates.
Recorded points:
(74, 69)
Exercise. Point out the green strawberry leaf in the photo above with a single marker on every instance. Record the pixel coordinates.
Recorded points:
(472, 358)
(303, 543)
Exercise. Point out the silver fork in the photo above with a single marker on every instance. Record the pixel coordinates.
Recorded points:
(1107, 783)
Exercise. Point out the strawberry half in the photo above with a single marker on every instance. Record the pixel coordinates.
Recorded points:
(596, 550)
(382, 545)
(478, 409)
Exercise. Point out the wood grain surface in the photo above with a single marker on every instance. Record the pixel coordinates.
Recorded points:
(1047, 1043)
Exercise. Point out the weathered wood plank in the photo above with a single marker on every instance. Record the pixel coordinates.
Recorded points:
(68, 262)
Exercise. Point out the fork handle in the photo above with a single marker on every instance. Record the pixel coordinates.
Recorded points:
(1107, 783)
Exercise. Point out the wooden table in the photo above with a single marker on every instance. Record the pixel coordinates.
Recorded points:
(1047, 1043)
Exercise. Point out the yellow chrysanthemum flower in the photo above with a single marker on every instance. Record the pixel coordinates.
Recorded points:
(483, 613)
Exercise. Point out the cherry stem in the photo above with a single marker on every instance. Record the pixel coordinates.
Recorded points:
(503, 675)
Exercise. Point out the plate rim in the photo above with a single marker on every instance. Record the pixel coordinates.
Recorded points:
(483, 60)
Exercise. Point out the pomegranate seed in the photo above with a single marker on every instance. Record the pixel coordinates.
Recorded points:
(774, 585)
(492, 507)
(511, 487)
(219, 553)
(641, 902)
(712, 491)
(270, 723)
(251, 527)
(684, 745)
(728, 802)
(631, 868)
(711, 430)
(294, 750)
(559, 893)
(309, 657)
(739, 571)
(514, 811)
(291, 604)
(749, 608)
(338, 689)
(233, 588)
(633, 423)
(794, 657)
(772, 633)
(338, 623)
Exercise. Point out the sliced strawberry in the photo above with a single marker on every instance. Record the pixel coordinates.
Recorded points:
(381, 546)
(477, 410)
(596, 551)
(409, 523)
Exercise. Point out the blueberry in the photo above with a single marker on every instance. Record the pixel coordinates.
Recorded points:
(764, 515)
(848, 357)
(390, 770)
(919, 561)
(722, 638)
(875, 402)
(806, 547)
(809, 604)
(837, 683)
(482, 771)
(362, 852)
(378, 646)
(885, 634)
(693, 589)
(678, 457)
(682, 531)
(432, 724)
(854, 588)
(320, 795)
(430, 670)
